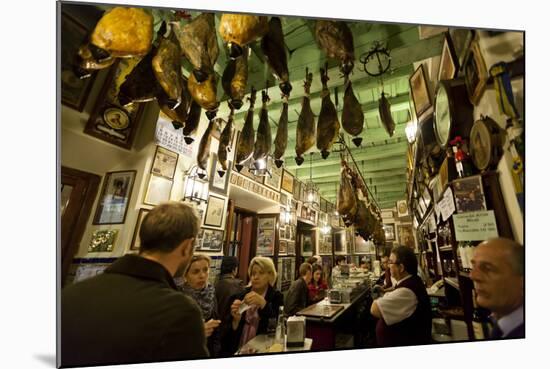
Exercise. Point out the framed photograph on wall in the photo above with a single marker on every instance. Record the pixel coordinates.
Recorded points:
(215, 210)
(158, 190)
(308, 244)
(216, 183)
(469, 195)
(164, 163)
(282, 247)
(109, 121)
(475, 72)
(273, 181)
(265, 242)
(405, 234)
(448, 65)
(114, 197)
(419, 90)
(297, 190)
(135, 238)
(389, 231)
(74, 91)
(291, 248)
(211, 240)
(103, 240)
(288, 182)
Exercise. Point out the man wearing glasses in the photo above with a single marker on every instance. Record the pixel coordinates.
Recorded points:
(404, 314)
(497, 273)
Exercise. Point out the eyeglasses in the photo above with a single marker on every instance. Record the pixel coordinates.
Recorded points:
(394, 262)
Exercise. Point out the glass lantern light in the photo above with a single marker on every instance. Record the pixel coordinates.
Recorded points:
(259, 167)
(196, 187)
(312, 191)
(411, 130)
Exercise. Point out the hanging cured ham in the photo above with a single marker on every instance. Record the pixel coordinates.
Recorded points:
(140, 84)
(199, 44)
(192, 122)
(281, 137)
(273, 47)
(204, 93)
(245, 147)
(180, 113)
(336, 40)
(123, 32)
(225, 143)
(347, 202)
(262, 146)
(328, 126)
(167, 68)
(234, 79)
(239, 29)
(305, 129)
(363, 221)
(204, 147)
(384, 108)
(352, 114)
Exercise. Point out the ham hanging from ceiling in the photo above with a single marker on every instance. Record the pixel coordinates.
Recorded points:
(336, 40)
(199, 44)
(192, 122)
(238, 30)
(167, 68)
(347, 201)
(262, 146)
(140, 85)
(281, 138)
(305, 129)
(352, 114)
(245, 147)
(234, 79)
(328, 126)
(384, 108)
(225, 142)
(204, 147)
(179, 114)
(204, 93)
(122, 32)
(274, 49)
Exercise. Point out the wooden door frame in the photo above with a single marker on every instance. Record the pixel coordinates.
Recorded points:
(86, 186)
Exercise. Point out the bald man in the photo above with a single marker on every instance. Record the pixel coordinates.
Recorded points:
(497, 273)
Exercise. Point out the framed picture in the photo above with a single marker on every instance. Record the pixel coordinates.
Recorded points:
(469, 194)
(283, 199)
(74, 91)
(103, 240)
(289, 233)
(405, 234)
(475, 72)
(288, 182)
(448, 64)
(211, 240)
(282, 233)
(308, 244)
(402, 208)
(165, 162)
(135, 238)
(419, 90)
(215, 210)
(273, 181)
(158, 190)
(216, 183)
(282, 247)
(389, 231)
(109, 121)
(297, 190)
(265, 241)
(114, 198)
(461, 39)
(325, 244)
(339, 239)
(291, 248)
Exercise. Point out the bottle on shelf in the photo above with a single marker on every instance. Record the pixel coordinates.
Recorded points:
(481, 322)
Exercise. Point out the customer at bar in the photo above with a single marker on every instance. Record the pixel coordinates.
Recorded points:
(297, 296)
(133, 313)
(404, 314)
(337, 269)
(260, 298)
(498, 276)
(317, 288)
(385, 278)
(197, 287)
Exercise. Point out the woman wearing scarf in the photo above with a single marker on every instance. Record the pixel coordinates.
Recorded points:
(263, 301)
(196, 286)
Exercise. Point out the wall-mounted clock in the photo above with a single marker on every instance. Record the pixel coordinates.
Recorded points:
(453, 114)
(486, 143)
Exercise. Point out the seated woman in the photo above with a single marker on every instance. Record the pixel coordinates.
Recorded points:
(197, 287)
(317, 288)
(262, 301)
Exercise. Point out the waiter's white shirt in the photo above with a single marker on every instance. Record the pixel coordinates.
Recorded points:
(511, 321)
(398, 304)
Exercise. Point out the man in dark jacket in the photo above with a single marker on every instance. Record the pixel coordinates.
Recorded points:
(296, 299)
(404, 314)
(132, 313)
(497, 273)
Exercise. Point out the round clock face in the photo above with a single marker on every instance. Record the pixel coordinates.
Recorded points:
(480, 145)
(116, 118)
(442, 116)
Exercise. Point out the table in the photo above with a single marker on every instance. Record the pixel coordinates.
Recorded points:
(262, 342)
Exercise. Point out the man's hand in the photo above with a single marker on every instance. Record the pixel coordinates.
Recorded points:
(210, 325)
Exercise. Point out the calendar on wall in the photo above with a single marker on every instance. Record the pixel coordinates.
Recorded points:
(170, 138)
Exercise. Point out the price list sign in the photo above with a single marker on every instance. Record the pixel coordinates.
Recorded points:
(172, 139)
(475, 226)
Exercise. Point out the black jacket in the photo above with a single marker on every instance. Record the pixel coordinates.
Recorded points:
(273, 299)
(296, 299)
(131, 313)
(226, 288)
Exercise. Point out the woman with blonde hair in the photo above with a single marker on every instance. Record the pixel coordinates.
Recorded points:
(196, 285)
(252, 309)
